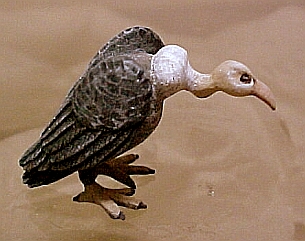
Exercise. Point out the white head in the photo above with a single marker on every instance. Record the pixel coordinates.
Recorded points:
(235, 79)
(172, 73)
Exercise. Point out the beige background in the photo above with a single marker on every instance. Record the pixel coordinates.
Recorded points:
(250, 157)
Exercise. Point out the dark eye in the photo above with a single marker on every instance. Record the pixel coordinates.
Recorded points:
(246, 78)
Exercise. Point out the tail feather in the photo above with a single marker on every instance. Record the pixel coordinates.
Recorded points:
(50, 140)
(34, 178)
(65, 147)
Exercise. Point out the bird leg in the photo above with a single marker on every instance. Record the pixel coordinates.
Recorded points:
(120, 169)
(110, 199)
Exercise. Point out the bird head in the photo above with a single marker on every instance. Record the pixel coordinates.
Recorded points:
(236, 79)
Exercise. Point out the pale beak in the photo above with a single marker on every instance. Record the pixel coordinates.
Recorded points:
(263, 92)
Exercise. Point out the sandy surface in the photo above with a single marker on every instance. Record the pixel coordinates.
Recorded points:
(250, 157)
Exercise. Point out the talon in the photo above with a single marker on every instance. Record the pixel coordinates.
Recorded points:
(117, 216)
(120, 169)
(127, 191)
(110, 199)
(121, 216)
(140, 170)
(142, 205)
(76, 198)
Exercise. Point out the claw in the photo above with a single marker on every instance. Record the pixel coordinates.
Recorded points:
(130, 203)
(127, 159)
(140, 170)
(120, 170)
(121, 177)
(110, 199)
(126, 191)
(142, 205)
(111, 209)
(121, 216)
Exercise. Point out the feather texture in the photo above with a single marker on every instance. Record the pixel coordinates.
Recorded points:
(101, 113)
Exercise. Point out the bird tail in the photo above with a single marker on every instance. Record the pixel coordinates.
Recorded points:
(36, 160)
(38, 178)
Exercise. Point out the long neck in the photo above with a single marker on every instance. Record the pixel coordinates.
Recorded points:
(168, 71)
(201, 85)
(171, 73)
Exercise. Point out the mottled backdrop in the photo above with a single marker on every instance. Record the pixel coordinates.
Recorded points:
(227, 168)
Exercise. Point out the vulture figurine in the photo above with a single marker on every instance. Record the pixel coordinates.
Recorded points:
(114, 106)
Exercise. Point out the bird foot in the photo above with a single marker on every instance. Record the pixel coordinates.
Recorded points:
(120, 169)
(110, 199)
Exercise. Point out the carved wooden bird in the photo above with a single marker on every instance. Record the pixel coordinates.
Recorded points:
(115, 105)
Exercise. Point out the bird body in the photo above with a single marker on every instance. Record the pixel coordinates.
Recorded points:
(117, 103)
(97, 121)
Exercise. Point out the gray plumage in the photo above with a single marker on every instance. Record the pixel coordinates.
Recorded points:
(109, 110)
(115, 105)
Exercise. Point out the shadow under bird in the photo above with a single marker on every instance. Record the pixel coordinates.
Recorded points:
(115, 105)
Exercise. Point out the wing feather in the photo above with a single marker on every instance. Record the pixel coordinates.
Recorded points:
(114, 93)
(100, 113)
(136, 38)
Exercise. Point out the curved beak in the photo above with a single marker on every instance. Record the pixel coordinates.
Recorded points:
(263, 92)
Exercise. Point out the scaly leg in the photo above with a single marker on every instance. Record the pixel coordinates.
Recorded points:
(110, 199)
(120, 169)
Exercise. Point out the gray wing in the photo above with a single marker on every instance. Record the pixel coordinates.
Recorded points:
(95, 121)
(114, 94)
(104, 109)
(137, 38)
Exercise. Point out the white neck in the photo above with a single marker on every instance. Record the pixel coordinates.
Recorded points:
(171, 73)
(200, 84)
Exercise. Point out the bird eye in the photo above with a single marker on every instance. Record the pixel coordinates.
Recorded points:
(246, 79)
